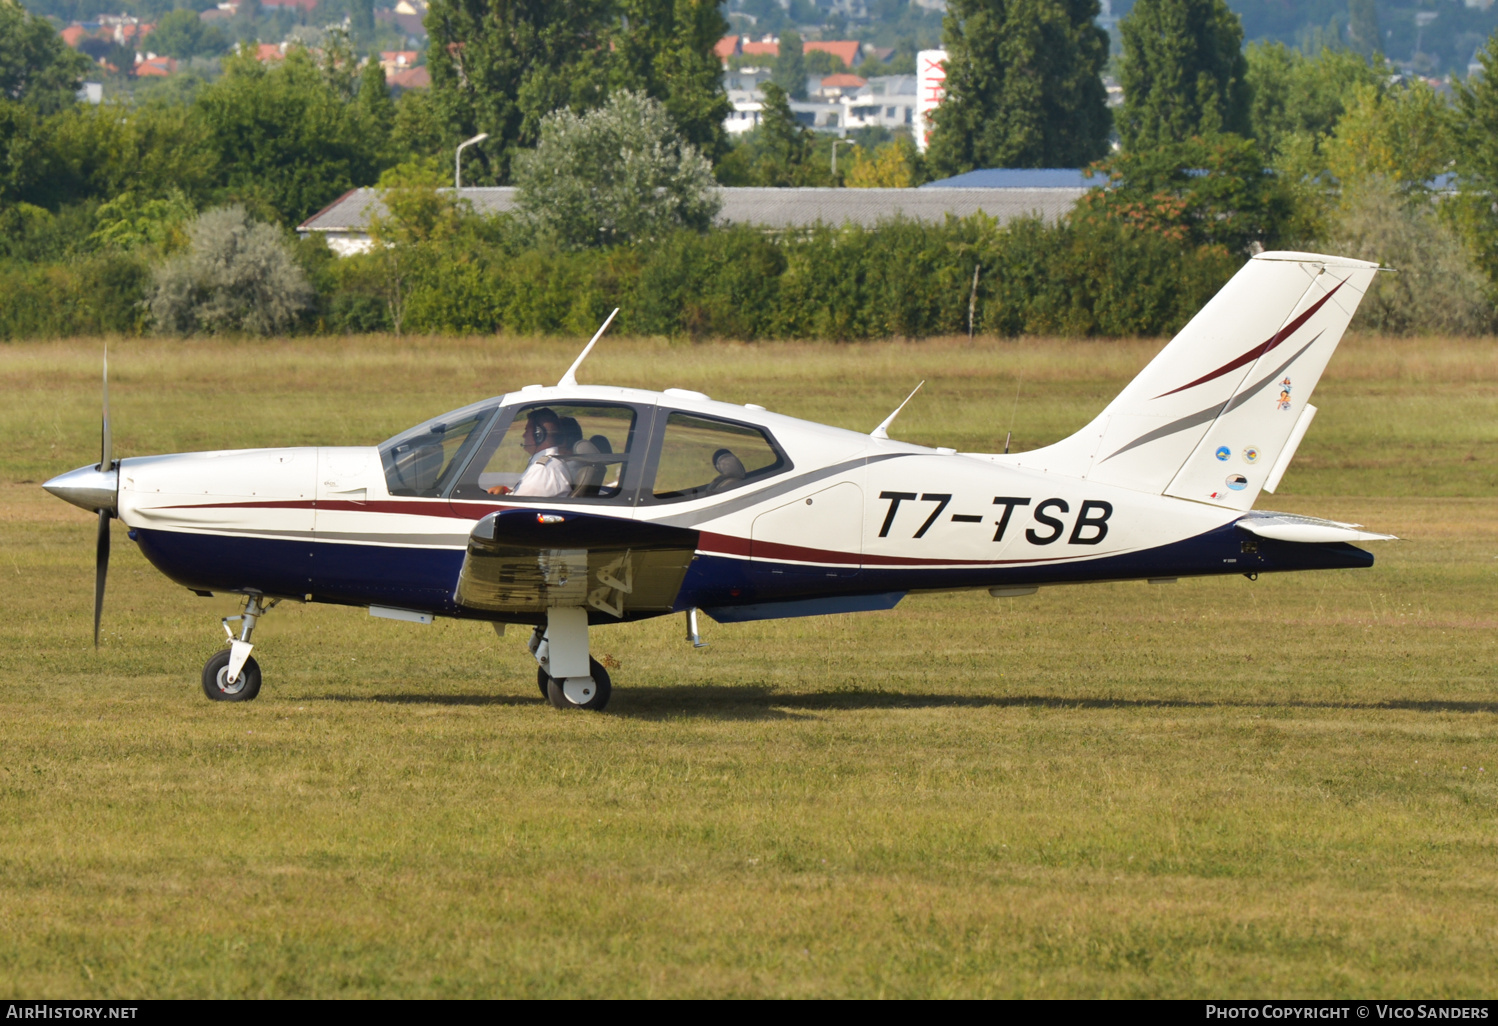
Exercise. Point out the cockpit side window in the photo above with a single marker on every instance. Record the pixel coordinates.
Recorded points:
(557, 451)
(703, 456)
(423, 460)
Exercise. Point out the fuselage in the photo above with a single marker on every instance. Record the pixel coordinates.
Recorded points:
(840, 520)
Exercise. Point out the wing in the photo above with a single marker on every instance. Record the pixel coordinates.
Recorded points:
(525, 561)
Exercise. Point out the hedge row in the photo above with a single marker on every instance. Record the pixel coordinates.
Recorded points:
(903, 278)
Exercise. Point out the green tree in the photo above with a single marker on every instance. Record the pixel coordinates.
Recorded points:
(1406, 135)
(664, 49)
(780, 152)
(1301, 97)
(1203, 192)
(418, 217)
(1024, 86)
(361, 22)
(621, 173)
(820, 62)
(286, 138)
(183, 35)
(1476, 128)
(36, 66)
(500, 66)
(151, 151)
(24, 155)
(1362, 28)
(375, 108)
(238, 275)
(1437, 289)
(128, 222)
(1183, 72)
(789, 72)
(419, 130)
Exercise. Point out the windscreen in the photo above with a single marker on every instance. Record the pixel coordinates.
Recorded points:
(421, 461)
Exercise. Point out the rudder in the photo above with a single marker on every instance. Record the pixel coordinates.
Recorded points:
(1210, 416)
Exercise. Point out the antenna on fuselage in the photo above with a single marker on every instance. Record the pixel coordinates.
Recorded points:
(882, 431)
(570, 378)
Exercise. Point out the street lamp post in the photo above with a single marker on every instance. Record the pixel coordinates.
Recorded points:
(458, 158)
(835, 144)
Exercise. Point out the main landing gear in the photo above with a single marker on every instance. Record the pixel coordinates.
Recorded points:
(230, 675)
(569, 678)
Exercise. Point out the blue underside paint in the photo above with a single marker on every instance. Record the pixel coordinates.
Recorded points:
(425, 579)
(804, 607)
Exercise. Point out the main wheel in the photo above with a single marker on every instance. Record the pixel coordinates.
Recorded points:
(543, 681)
(578, 693)
(216, 679)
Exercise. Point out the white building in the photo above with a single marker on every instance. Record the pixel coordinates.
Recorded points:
(886, 101)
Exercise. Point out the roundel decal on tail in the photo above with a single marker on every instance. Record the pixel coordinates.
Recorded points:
(1237, 482)
(1251, 454)
(1223, 452)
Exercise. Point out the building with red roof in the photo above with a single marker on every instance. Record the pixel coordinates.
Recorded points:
(841, 84)
(411, 78)
(728, 46)
(269, 52)
(155, 67)
(845, 50)
(394, 60)
(768, 48)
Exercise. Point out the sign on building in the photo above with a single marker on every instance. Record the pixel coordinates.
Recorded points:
(930, 87)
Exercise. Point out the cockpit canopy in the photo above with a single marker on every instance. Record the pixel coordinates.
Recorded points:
(583, 450)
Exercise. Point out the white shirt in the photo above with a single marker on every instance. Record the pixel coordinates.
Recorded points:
(545, 477)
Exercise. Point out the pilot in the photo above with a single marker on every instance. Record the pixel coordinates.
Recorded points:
(546, 440)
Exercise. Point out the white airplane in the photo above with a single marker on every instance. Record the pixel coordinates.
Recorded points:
(670, 502)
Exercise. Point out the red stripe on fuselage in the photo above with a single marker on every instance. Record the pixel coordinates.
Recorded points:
(412, 508)
(729, 545)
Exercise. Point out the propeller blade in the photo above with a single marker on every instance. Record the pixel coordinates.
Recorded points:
(101, 570)
(106, 438)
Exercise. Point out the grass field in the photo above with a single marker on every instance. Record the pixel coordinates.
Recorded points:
(1219, 787)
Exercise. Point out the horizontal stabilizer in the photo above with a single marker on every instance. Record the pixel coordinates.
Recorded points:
(1291, 527)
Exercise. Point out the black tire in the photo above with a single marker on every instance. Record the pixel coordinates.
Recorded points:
(215, 686)
(543, 681)
(602, 691)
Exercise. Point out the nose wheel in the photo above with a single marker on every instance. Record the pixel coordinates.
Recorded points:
(231, 675)
(218, 686)
(591, 692)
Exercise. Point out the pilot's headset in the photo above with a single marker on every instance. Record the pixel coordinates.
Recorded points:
(537, 432)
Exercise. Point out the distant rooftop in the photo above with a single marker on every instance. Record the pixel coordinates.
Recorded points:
(771, 208)
(1019, 178)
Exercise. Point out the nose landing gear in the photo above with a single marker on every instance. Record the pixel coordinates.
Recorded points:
(230, 675)
(569, 678)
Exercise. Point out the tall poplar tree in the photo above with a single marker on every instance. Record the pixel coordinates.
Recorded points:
(1024, 86)
(1477, 160)
(1363, 33)
(500, 66)
(664, 49)
(1183, 72)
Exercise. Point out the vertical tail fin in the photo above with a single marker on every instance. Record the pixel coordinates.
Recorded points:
(1210, 416)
